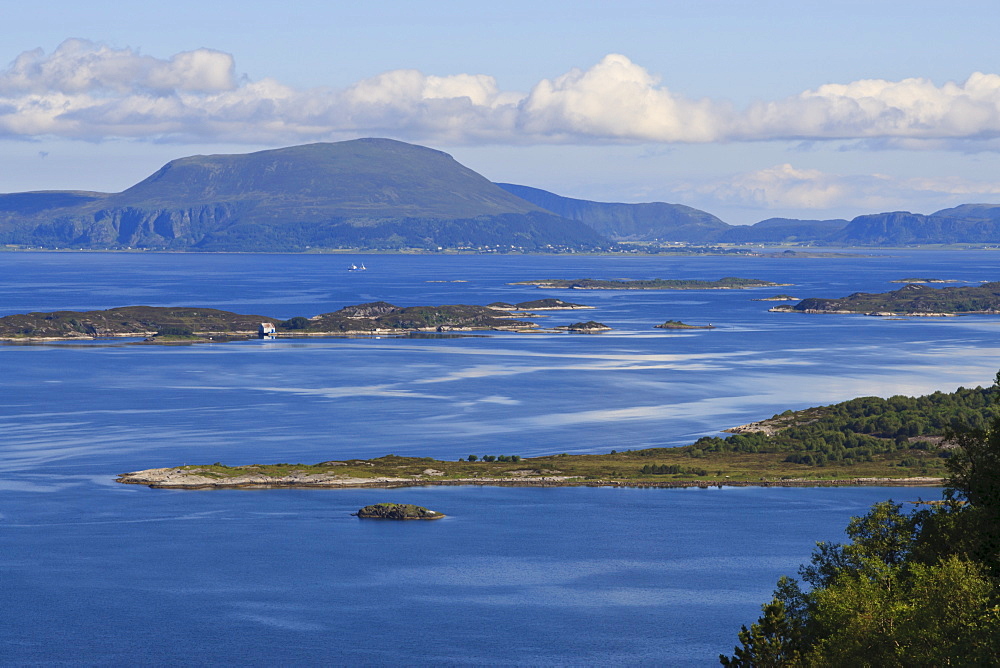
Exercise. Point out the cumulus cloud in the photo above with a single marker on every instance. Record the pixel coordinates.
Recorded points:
(92, 91)
(787, 187)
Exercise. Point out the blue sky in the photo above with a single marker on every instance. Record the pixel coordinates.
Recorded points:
(747, 110)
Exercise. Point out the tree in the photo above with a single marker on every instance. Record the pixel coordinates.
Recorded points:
(769, 643)
(298, 322)
(909, 589)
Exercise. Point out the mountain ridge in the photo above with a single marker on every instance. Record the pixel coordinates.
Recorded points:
(385, 194)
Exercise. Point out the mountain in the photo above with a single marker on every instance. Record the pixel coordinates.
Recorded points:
(375, 193)
(777, 230)
(632, 222)
(902, 228)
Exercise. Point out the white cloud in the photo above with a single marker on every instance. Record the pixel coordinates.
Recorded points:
(85, 90)
(787, 187)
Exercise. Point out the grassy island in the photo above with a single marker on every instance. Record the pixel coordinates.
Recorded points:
(677, 324)
(923, 280)
(911, 299)
(175, 324)
(728, 283)
(547, 305)
(588, 327)
(869, 440)
(777, 298)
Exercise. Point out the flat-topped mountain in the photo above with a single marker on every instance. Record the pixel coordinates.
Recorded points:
(376, 193)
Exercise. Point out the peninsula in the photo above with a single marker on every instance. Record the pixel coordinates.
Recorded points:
(912, 299)
(728, 283)
(864, 441)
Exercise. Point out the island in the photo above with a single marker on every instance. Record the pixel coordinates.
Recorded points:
(677, 324)
(924, 280)
(185, 324)
(776, 298)
(589, 327)
(728, 283)
(539, 305)
(912, 299)
(397, 511)
(864, 441)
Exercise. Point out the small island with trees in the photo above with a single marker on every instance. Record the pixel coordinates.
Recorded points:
(913, 299)
(589, 327)
(187, 324)
(397, 511)
(677, 324)
(728, 283)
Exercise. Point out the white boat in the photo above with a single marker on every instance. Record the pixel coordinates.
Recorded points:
(355, 267)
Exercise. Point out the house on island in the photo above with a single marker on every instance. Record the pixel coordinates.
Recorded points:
(266, 330)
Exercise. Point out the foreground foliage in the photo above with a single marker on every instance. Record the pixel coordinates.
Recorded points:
(909, 589)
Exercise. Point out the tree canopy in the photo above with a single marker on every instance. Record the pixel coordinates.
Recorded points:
(918, 588)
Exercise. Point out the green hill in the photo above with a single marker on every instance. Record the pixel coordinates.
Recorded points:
(369, 193)
(634, 222)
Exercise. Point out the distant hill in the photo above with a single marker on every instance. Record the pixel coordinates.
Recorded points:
(386, 194)
(902, 228)
(777, 230)
(633, 222)
(375, 193)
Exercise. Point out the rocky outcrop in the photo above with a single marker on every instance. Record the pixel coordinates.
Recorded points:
(397, 511)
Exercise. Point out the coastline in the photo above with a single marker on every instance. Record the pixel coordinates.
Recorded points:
(165, 479)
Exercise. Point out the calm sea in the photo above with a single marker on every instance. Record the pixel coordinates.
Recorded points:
(95, 573)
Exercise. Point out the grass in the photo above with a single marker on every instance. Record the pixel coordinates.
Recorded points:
(622, 467)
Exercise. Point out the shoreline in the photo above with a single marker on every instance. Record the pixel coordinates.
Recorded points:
(547, 481)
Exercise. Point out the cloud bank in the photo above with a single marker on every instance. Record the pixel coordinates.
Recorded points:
(84, 90)
(787, 187)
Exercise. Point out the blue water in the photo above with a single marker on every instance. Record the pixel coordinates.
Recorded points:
(96, 573)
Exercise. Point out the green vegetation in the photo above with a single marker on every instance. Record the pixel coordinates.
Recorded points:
(728, 283)
(298, 322)
(896, 438)
(136, 321)
(398, 511)
(364, 193)
(127, 321)
(546, 304)
(677, 324)
(905, 431)
(589, 326)
(911, 299)
(909, 589)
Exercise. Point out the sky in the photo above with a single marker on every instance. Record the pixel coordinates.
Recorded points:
(747, 110)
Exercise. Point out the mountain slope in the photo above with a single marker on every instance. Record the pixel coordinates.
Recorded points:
(777, 230)
(903, 227)
(375, 193)
(633, 222)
